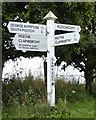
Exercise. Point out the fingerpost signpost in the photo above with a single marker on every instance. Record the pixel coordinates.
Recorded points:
(30, 42)
(35, 37)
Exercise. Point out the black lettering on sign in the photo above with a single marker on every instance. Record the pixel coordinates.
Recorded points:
(31, 26)
(52, 69)
(16, 25)
(66, 27)
(23, 36)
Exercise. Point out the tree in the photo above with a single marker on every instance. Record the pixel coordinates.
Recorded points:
(84, 51)
(82, 14)
(86, 55)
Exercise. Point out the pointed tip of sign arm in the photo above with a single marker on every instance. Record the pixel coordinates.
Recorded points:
(50, 16)
(79, 28)
(77, 35)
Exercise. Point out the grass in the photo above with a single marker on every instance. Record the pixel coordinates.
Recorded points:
(80, 109)
(84, 109)
(30, 101)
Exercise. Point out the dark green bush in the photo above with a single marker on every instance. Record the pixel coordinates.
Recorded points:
(30, 91)
(23, 92)
(72, 92)
(28, 99)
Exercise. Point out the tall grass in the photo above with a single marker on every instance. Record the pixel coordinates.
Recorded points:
(28, 99)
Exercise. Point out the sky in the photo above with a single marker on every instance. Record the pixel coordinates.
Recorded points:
(34, 66)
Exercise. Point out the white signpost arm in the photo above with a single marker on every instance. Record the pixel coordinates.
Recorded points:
(50, 17)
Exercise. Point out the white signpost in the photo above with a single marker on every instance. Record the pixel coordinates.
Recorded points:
(20, 27)
(65, 39)
(34, 37)
(66, 27)
(50, 17)
(29, 42)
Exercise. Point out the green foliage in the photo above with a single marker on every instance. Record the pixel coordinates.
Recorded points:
(28, 99)
(77, 13)
(82, 14)
(71, 92)
(23, 92)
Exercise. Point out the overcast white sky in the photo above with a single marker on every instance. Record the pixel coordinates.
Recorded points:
(35, 67)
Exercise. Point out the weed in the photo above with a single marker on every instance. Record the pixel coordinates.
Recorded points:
(27, 99)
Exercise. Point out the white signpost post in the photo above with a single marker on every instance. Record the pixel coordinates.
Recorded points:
(34, 37)
(50, 17)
